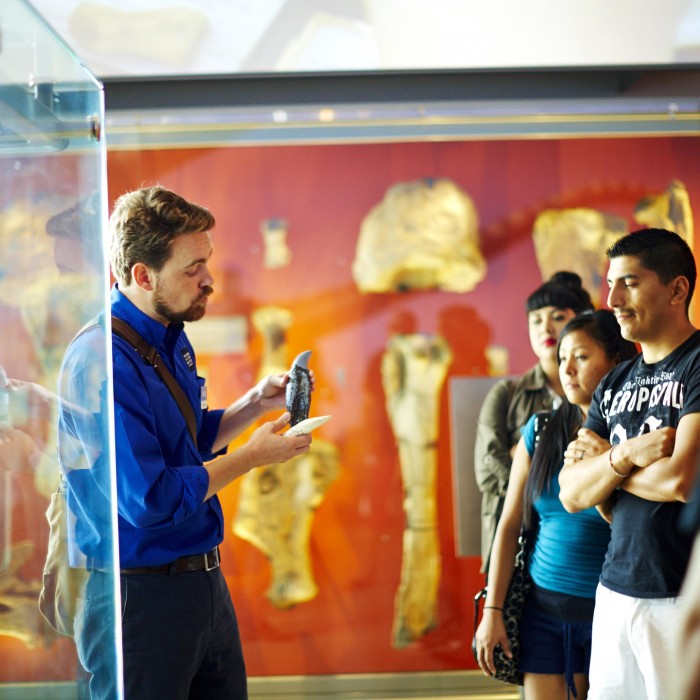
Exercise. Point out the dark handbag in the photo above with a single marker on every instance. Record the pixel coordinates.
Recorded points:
(507, 669)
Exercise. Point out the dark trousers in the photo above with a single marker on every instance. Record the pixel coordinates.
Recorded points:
(180, 639)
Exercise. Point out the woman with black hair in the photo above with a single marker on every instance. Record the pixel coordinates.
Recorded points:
(511, 401)
(568, 549)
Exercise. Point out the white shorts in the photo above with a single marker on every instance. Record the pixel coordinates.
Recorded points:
(632, 647)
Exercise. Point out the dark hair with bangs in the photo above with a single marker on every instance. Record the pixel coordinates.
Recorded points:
(553, 437)
(563, 290)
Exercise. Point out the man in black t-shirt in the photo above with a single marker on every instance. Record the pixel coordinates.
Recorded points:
(635, 459)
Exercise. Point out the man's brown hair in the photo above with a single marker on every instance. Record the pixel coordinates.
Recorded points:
(144, 224)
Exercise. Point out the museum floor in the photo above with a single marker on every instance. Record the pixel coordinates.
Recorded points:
(453, 686)
(456, 685)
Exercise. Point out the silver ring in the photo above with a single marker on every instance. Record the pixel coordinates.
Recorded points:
(581, 453)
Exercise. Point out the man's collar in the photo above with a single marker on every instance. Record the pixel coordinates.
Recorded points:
(149, 329)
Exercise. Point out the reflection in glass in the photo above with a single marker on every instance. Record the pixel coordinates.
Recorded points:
(53, 279)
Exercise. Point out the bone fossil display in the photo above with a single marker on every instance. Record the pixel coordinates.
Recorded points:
(272, 323)
(277, 502)
(423, 235)
(45, 296)
(277, 253)
(576, 240)
(414, 368)
(39, 276)
(19, 612)
(670, 209)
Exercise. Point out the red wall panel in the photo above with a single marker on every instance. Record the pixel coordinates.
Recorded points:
(324, 192)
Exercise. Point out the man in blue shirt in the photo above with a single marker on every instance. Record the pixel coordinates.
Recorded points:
(179, 631)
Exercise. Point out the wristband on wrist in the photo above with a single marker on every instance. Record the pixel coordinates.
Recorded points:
(618, 474)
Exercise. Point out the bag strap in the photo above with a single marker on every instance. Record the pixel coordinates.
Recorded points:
(150, 356)
(541, 419)
(524, 544)
(477, 605)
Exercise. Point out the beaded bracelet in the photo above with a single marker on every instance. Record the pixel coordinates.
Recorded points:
(612, 466)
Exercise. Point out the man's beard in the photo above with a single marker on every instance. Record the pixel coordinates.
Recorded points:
(193, 313)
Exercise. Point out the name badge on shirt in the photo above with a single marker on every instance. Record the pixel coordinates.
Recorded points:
(203, 397)
(187, 357)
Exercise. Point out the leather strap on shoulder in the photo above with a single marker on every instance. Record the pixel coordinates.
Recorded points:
(151, 357)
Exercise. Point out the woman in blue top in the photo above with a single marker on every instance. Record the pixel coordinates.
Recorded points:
(568, 551)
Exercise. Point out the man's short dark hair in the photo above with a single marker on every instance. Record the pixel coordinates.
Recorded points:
(661, 251)
(144, 225)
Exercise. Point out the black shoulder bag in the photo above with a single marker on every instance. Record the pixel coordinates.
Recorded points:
(507, 669)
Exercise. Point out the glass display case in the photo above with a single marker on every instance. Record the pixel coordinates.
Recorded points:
(53, 280)
(300, 195)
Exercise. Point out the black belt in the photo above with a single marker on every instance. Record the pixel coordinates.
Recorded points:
(195, 562)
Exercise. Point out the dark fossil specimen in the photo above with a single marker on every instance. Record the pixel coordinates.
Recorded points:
(298, 392)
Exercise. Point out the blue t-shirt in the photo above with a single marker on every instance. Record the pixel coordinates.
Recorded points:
(160, 478)
(570, 547)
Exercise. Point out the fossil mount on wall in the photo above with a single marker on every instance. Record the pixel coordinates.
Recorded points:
(422, 235)
(414, 368)
(277, 502)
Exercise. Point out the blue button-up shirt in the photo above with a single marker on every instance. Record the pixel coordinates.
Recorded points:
(160, 477)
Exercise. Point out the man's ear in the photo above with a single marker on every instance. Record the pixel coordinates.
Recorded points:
(679, 290)
(141, 275)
